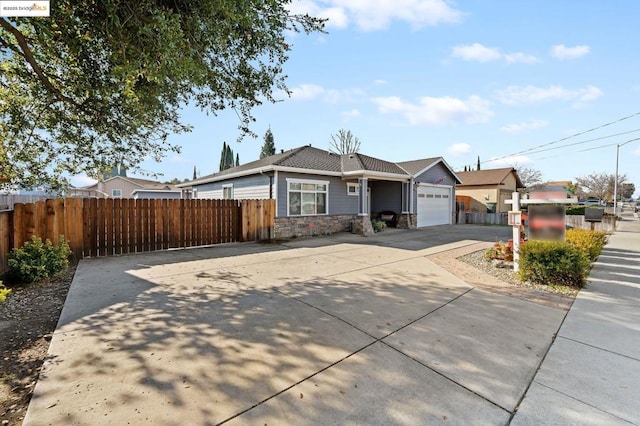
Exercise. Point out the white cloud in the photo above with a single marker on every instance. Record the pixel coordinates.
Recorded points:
(458, 149)
(481, 53)
(560, 51)
(437, 111)
(380, 82)
(526, 95)
(516, 128)
(511, 161)
(306, 92)
(82, 180)
(311, 92)
(337, 96)
(179, 159)
(371, 15)
(476, 52)
(519, 57)
(346, 115)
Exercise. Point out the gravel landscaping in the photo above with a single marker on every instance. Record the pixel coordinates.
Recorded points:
(506, 274)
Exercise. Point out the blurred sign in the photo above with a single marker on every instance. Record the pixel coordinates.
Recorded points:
(546, 223)
(593, 214)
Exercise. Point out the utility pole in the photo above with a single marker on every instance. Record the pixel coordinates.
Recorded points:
(615, 182)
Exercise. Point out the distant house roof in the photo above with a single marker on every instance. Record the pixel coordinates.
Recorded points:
(311, 160)
(142, 183)
(488, 177)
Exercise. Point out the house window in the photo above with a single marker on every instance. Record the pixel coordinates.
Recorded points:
(307, 197)
(116, 193)
(353, 189)
(227, 191)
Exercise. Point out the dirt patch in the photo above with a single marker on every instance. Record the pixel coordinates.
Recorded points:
(28, 317)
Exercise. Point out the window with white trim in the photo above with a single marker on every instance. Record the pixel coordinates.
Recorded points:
(116, 193)
(353, 189)
(307, 197)
(227, 192)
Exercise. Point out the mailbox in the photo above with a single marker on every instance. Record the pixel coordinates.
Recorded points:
(593, 214)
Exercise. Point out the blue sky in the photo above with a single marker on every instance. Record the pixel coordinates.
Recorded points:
(426, 78)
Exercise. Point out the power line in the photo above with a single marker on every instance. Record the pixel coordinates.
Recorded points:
(590, 149)
(583, 142)
(526, 151)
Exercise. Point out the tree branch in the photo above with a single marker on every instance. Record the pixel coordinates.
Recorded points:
(28, 56)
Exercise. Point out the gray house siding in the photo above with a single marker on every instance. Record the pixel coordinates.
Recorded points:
(339, 202)
(149, 195)
(386, 196)
(244, 188)
(437, 175)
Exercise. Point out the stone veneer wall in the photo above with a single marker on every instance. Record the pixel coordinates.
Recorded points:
(362, 225)
(407, 221)
(309, 226)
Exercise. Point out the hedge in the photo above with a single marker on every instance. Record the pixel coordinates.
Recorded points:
(553, 262)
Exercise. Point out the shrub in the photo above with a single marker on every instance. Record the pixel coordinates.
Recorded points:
(499, 251)
(553, 262)
(378, 225)
(575, 210)
(589, 242)
(36, 260)
(4, 292)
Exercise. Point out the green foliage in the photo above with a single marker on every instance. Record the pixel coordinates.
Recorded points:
(575, 210)
(103, 82)
(553, 262)
(378, 225)
(269, 146)
(226, 157)
(589, 242)
(36, 260)
(4, 292)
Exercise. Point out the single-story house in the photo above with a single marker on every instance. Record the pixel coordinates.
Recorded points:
(319, 192)
(128, 187)
(488, 189)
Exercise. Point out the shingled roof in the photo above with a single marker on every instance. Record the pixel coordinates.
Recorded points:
(488, 177)
(308, 158)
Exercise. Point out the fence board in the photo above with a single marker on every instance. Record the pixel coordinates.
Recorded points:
(117, 226)
(104, 227)
(18, 225)
(6, 230)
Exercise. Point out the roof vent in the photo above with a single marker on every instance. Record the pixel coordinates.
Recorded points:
(351, 156)
(282, 151)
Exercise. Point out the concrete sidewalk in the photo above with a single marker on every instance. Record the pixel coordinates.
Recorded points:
(591, 374)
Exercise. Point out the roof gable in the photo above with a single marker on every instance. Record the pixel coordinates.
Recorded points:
(418, 167)
(489, 177)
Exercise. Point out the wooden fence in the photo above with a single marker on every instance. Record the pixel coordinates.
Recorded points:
(106, 227)
(482, 218)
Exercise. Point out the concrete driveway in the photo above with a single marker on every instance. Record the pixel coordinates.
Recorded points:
(332, 330)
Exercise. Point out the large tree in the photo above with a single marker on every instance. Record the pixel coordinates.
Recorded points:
(344, 142)
(599, 185)
(102, 82)
(269, 146)
(530, 177)
(226, 157)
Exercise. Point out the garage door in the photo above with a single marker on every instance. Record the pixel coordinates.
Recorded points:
(434, 205)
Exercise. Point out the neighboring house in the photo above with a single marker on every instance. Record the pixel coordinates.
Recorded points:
(488, 189)
(128, 187)
(552, 190)
(319, 192)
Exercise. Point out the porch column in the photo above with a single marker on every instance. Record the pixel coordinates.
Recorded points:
(406, 196)
(362, 197)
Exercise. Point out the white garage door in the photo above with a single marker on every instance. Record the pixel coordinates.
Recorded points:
(434, 205)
